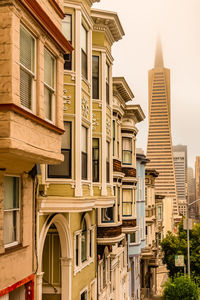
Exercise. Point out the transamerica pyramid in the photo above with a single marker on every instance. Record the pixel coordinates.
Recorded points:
(159, 146)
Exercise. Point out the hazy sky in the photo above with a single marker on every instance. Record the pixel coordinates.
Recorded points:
(178, 24)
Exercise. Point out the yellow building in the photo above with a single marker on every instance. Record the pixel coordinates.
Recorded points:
(31, 129)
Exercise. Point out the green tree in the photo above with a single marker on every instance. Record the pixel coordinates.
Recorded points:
(177, 245)
(181, 288)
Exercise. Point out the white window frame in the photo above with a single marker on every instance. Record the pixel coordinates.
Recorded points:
(90, 259)
(33, 74)
(51, 89)
(15, 243)
(84, 290)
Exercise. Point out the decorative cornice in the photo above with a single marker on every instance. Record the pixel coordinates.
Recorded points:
(121, 85)
(135, 112)
(108, 22)
(57, 8)
(35, 9)
(21, 111)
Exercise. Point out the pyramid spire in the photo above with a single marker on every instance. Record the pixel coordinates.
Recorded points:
(159, 56)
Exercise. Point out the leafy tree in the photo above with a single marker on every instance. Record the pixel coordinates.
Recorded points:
(177, 245)
(181, 288)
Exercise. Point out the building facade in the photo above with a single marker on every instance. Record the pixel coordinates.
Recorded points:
(136, 240)
(32, 48)
(179, 165)
(159, 146)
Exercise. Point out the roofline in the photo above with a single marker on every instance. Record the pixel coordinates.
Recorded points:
(117, 81)
(136, 110)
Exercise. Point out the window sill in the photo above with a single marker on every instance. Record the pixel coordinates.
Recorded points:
(83, 265)
(10, 249)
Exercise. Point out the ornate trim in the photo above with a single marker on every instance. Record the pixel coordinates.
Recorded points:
(85, 107)
(66, 100)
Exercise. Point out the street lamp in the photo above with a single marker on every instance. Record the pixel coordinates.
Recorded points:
(188, 235)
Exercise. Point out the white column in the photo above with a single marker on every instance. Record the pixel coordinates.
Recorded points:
(78, 188)
(103, 146)
(39, 277)
(66, 265)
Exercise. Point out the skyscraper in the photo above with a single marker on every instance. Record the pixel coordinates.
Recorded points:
(159, 147)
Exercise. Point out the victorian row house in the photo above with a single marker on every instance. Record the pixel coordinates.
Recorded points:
(72, 188)
(31, 128)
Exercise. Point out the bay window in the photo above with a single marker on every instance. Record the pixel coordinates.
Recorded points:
(11, 210)
(84, 153)
(107, 214)
(67, 31)
(49, 84)
(27, 68)
(107, 162)
(95, 159)
(126, 150)
(63, 170)
(95, 77)
(127, 202)
(84, 51)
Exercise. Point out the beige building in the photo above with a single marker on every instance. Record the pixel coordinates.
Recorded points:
(197, 184)
(159, 147)
(31, 129)
(150, 252)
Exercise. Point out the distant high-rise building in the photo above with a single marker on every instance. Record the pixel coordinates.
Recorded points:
(191, 190)
(182, 148)
(159, 147)
(179, 165)
(197, 177)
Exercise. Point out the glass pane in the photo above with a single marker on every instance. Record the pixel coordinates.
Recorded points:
(84, 165)
(25, 89)
(95, 88)
(84, 139)
(11, 192)
(67, 61)
(48, 68)
(84, 39)
(77, 252)
(127, 209)
(56, 270)
(127, 157)
(67, 27)
(107, 151)
(132, 237)
(48, 103)
(46, 260)
(84, 296)
(108, 214)
(127, 195)
(84, 245)
(27, 48)
(11, 220)
(95, 143)
(66, 138)
(127, 144)
(63, 170)
(84, 64)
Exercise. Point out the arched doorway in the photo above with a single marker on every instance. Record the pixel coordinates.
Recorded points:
(54, 271)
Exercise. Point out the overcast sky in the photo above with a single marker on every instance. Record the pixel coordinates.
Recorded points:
(178, 24)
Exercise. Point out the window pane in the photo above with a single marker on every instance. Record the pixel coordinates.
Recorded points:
(95, 159)
(84, 296)
(48, 103)
(127, 144)
(107, 151)
(11, 221)
(127, 195)
(67, 27)
(25, 89)
(49, 68)
(84, 39)
(84, 64)
(66, 138)
(84, 242)
(77, 252)
(11, 192)
(84, 165)
(27, 48)
(133, 237)
(127, 157)
(107, 214)
(95, 77)
(84, 139)
(127, 209)
(63, 170)
(67, 61)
